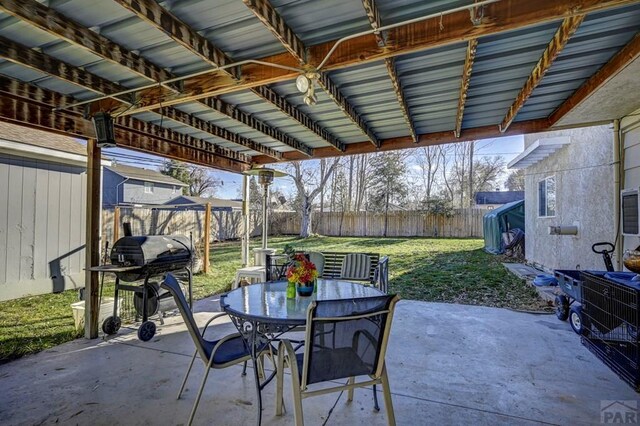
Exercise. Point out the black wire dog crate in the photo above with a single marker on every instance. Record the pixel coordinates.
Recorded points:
(610, 324)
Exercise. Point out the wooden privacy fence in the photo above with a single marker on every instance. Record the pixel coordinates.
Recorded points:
(228, 225)
(150, 221)
(463, 223)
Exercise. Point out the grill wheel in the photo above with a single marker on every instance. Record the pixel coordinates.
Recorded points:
(146, 331)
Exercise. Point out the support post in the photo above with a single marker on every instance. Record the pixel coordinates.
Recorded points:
(265, 216)
(618, 182)
(116, 224)
(92, 237)
(207, 237)
(245, 220)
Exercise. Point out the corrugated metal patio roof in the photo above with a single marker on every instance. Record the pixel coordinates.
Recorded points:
(430, 79)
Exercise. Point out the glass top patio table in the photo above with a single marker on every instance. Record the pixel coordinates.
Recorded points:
(268, 302)
(262, 313)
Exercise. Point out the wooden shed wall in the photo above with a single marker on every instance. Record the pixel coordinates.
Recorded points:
(42, 221)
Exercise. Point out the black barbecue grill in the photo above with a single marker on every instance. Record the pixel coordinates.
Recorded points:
(153, 254)
(141, 258)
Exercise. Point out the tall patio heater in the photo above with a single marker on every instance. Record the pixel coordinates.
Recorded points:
(265, 177)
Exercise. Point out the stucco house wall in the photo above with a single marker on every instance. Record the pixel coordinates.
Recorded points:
(584, 197)
(630, 127)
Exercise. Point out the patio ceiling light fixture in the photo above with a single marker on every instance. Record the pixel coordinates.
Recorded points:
(265, 178)
(105, 135)
(305, 84)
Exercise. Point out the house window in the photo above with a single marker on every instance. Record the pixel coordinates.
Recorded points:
(148, 187)
(547, 197)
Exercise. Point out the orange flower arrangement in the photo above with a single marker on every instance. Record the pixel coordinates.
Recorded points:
(301, 270)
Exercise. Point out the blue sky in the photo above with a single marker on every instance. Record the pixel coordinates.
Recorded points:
(507, 147)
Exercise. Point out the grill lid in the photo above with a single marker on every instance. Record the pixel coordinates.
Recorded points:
(154, 254)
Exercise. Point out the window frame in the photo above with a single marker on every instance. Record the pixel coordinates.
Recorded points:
(546, 197)
(148, 187)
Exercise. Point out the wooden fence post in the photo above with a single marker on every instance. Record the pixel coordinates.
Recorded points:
(116, 224)
(92, 236)
(207, 237)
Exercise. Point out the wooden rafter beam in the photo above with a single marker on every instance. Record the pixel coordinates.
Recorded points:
(276, 24)
(464, 85)
(566, 30)
(373, 15)
(429, 139)
(500, 17)
(58, 25)
(281, 103)
(375, 21)
(617, 63)
(397, 88)
(144, 127)
(248, 120)
(22, 103)
(336, 95)
(29, 105)
(210, 128)
(151, 12)
(41, 62)
(38, 61)
(267, 14)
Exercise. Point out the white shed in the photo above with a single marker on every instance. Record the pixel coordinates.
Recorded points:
(42, 212)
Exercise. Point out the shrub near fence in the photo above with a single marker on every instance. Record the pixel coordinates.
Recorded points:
(463, 223)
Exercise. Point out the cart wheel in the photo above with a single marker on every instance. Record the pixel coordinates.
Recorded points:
(562, 307)
(146, 331)
(111, 325)
(575, 318)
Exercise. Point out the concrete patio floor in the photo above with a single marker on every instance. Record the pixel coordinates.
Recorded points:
(448, 364)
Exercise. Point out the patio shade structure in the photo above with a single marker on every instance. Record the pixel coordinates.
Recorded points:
(213, 82)
(265, 178)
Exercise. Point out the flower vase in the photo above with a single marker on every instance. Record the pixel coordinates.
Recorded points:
(291, 290)
(305, 290)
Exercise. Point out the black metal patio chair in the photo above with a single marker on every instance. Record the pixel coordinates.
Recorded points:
(356, 346)
(225, 352)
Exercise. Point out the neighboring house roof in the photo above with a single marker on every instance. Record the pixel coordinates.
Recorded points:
(201, 201)
(27, 142)
(41, 138)
(498, 197)
(144, 175)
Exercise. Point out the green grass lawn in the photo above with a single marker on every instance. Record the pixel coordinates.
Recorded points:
(438, 270)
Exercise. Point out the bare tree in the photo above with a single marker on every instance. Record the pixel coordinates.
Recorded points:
(306, 178)
(515, 180)
(361, 180)
(429, 159)
(486, 173)
(444, 152)
(199, 179)
(458, 174)
(201, 182)
(350, 192)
